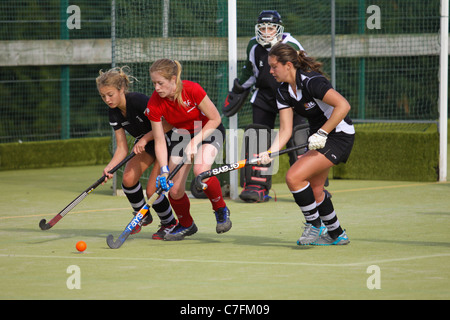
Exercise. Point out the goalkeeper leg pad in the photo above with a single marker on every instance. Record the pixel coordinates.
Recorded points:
(256, 180)
(300, 135)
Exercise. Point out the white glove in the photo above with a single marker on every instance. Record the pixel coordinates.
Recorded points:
(318, 140)
(265, 157)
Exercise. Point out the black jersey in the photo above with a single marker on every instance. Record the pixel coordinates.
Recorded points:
(311, 88)
(135, 122)
(256, 71)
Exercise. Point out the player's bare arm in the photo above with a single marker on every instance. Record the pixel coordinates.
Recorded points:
(341, 109)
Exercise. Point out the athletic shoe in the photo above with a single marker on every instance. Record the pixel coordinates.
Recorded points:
(327, 240)
(223, 220)
(179, 232)
(163, 230)
(311, 234)
(144, 222)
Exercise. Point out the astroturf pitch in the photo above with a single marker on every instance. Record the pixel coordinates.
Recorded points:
(399, 249)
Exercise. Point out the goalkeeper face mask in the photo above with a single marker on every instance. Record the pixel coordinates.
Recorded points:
(269, 28)
(268, 34)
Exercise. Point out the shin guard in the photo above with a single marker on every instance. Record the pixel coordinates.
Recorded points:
(256, 180)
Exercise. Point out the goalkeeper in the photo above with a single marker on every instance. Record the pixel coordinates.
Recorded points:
(268, 32)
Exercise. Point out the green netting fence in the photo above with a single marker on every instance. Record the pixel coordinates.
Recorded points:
(385, 57)
(46, 93)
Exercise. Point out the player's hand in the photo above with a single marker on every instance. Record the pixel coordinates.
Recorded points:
(265, 157)
(139, 147)
(318, 140)
(162, 180)
(107, 174)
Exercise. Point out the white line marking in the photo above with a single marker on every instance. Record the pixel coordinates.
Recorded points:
(356, 264)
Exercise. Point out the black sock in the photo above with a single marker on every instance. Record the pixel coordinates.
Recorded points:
(307, 203)
(163, 209)
(329, 218)
(135, 196)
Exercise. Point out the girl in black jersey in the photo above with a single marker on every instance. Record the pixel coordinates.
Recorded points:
(269, 30)
(306, 91)
(126, 113)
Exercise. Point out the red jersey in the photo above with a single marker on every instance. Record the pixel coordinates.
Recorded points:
(180, 116)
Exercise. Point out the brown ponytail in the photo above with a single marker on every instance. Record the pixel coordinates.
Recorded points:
(284, 53)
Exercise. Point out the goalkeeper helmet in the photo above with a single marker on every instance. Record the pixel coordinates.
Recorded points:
(269, 28)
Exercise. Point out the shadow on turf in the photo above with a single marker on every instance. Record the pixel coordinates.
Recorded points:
(247, 240)
(204, 237)
(199, 238)
(435, 213)
(62, 233)
(406, 242)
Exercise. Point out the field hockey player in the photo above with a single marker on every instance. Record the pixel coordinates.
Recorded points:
(305, 90)
(126, 113)
(186, 106)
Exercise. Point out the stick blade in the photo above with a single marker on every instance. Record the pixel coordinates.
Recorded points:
(44, 225)
(113, 244)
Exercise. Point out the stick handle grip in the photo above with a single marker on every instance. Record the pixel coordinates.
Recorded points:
(238, 165)
(117, 167)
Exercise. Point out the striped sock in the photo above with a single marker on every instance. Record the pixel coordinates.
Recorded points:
(307, 203)
(329, 217)
(164, 211)
(135, 196)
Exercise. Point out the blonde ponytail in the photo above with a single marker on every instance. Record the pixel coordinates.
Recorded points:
(169, 68)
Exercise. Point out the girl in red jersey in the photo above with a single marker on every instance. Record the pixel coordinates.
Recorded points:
(186, 106)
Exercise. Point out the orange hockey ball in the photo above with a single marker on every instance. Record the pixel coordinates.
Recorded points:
(81, 246)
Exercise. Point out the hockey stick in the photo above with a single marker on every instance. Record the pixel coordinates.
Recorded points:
(45, 226)
(137, 219)
(238, 165)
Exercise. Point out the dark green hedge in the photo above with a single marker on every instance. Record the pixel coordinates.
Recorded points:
(397, 152)
(392, 152)
(55, 153)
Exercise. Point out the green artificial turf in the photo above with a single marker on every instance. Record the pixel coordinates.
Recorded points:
(399, 227)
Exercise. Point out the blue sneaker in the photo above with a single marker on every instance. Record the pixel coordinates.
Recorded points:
(327, 240)
(179, 232)
(223, 220)
(311, 234)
